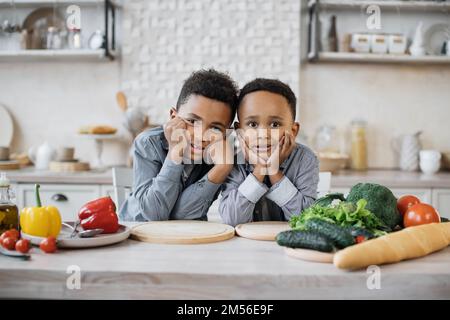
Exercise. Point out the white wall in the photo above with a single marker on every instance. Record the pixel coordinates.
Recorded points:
(165, 40)
(393, 99)
(51, 100)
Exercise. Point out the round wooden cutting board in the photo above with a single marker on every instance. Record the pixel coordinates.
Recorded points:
(310, 255)
(57, 166)
(9, 165)
(182, 232)
(261, 230)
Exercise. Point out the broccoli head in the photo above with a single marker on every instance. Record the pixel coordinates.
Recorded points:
(328, 199)
(380, 200)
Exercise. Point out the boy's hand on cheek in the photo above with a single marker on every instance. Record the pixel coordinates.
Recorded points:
(175, 131)
(286, 147)
(260, 165)
(279, 155)
(220, 152)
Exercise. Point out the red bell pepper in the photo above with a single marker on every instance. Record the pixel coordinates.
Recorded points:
(99, 213)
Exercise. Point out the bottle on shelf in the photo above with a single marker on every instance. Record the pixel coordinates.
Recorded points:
(332, 36)
(74, 40)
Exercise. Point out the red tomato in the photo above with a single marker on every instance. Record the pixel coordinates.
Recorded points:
(23, 245)
(360, 239)
(420, 213)
(405, 202)
(48, 245)
(11, 233)
(9, 243)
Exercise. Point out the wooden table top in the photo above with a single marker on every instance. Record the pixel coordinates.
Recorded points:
(234, 269)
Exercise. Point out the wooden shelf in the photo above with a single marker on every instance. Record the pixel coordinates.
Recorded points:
(31, 3)
(37, 55)
(419, 5)
(379, 58)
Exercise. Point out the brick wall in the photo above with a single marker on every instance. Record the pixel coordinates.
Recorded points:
(165, 40)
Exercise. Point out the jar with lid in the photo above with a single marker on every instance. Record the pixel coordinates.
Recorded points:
(359, 144)
(9, 214)
(74, 40)
(53, 39)
(325, 139)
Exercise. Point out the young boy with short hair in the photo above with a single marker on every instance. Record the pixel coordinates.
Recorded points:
(171, 180)
(279, 177)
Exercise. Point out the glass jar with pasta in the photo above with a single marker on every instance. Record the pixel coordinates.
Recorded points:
(359, 144)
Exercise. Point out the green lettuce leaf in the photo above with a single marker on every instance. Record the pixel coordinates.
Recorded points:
(342, 213)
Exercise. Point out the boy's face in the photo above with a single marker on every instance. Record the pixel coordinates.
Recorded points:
(264, 117)
(207, 118)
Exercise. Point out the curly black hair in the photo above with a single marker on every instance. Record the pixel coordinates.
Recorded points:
(210, 84)
(271, 85)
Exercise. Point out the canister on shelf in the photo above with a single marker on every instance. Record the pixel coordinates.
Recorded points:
(74, 39)
(359, 144)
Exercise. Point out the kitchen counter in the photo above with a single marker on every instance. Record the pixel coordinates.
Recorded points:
(235, 269)
(341, 179)
(391, 178)
(30, 175)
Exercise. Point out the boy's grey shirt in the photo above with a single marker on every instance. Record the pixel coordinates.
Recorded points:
(245, 199)
(160, 192)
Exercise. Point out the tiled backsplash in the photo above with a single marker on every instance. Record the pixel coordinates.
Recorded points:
(165, 40)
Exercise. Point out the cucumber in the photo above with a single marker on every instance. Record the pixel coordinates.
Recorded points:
(304, 239)
(325, 201)
(339, 235)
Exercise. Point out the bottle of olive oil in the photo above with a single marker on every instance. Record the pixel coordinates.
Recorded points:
(9, 214)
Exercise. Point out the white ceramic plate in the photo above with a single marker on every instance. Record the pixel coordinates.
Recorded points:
(435, 37)
(6, 127)
(64, 240)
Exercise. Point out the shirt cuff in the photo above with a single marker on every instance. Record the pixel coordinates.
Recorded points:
(171, 170)
(282, 192)
(252, 189)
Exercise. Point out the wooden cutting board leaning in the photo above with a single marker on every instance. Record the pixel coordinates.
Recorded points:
(182, 232)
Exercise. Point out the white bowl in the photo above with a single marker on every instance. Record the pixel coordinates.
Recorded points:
(430, 155)
(430, 167)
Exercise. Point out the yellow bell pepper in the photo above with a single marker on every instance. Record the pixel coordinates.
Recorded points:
(40, 221)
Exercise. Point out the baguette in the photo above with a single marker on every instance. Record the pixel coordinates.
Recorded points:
(409, 243)
(99, 129)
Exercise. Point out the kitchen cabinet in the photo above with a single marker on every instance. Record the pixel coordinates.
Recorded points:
(424, 195)
(107, 190)
(67, 198)
(441, 201)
